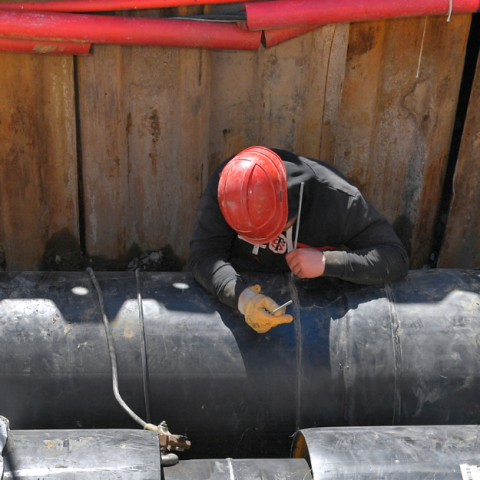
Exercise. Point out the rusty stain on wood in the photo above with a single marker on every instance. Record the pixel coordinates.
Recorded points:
(461, 247)
(38, 171)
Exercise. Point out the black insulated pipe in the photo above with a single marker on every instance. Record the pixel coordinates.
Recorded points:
(400, 453)
(343, 453)
(404, 353)
(83, 455)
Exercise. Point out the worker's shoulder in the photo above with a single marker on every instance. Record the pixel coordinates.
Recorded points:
(311, 169)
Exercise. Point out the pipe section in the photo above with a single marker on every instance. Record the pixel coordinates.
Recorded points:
(290, 13)
(403, 353)
(235, 469)
(400, 453)
(125, 30)
(102, 5)
(83, 454)
(275, 37)
(37, 46)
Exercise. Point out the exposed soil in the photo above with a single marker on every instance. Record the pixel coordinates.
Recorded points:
(63, 254)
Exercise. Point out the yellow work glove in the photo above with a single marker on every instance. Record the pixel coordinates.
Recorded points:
(257, 313)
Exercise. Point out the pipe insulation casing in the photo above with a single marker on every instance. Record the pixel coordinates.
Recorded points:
(290, 13)
(125, 30)
(83, 455)
(400, 453)
(238, 469)
(403, 353)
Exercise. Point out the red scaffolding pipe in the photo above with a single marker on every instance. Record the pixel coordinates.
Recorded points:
(37, 46)
(125, 30)
(274, 37)
(290, 13)
(102, 5)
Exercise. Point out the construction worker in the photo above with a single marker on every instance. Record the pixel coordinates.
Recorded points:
(250, 213)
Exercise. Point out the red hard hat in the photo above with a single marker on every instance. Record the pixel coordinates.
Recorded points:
(252, 194)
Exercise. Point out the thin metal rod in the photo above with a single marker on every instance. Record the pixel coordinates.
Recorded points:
(286, 304)
(299, 214)
(298, 219)
(111, 349)
(143, 341)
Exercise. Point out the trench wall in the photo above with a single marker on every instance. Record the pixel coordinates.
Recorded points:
(115, 148)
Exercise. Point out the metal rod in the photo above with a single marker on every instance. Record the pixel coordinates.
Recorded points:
(298, 219)
(286, 304)
(299, 214)
(111, 349)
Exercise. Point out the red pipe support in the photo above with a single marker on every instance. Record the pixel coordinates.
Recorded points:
(36, 46)
(125, 30)
(290, 13)
(103, 5)
(274, 37)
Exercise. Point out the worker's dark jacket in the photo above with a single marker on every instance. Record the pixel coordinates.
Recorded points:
(334, 214)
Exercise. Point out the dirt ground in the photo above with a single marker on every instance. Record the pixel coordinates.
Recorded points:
(64, 254)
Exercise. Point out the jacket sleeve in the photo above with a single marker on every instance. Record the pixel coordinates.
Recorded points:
(375, 254)
(210, 248)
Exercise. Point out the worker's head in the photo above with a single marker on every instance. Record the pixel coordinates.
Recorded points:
(252, 193)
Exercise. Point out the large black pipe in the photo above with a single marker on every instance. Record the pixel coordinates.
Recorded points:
(342, 453)
(405, 353)
(235, 469)
(82, 455)
(401, 453)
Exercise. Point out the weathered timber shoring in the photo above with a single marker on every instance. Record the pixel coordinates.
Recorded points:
(376, 99)
(462, 238)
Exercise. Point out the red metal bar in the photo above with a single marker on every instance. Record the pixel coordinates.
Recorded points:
(274, 37)
(103, 5)
(290, 13)
(37, 46)
(125, 30)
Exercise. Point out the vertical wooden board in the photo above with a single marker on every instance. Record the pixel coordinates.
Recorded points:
(399, 154)
(167, 143)
(461, 246)
(38, 170)
(144, 127)
(235, 104)
(301, 82)
(285, 97)
(103, 135)
(358, 109)
(442, 67)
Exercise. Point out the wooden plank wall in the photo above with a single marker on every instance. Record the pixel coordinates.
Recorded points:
(396, 118)
(376, 99)
(461, 247)
(38, 158)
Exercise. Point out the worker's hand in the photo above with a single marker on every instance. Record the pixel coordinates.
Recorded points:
(306, 262)
(258, 317)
